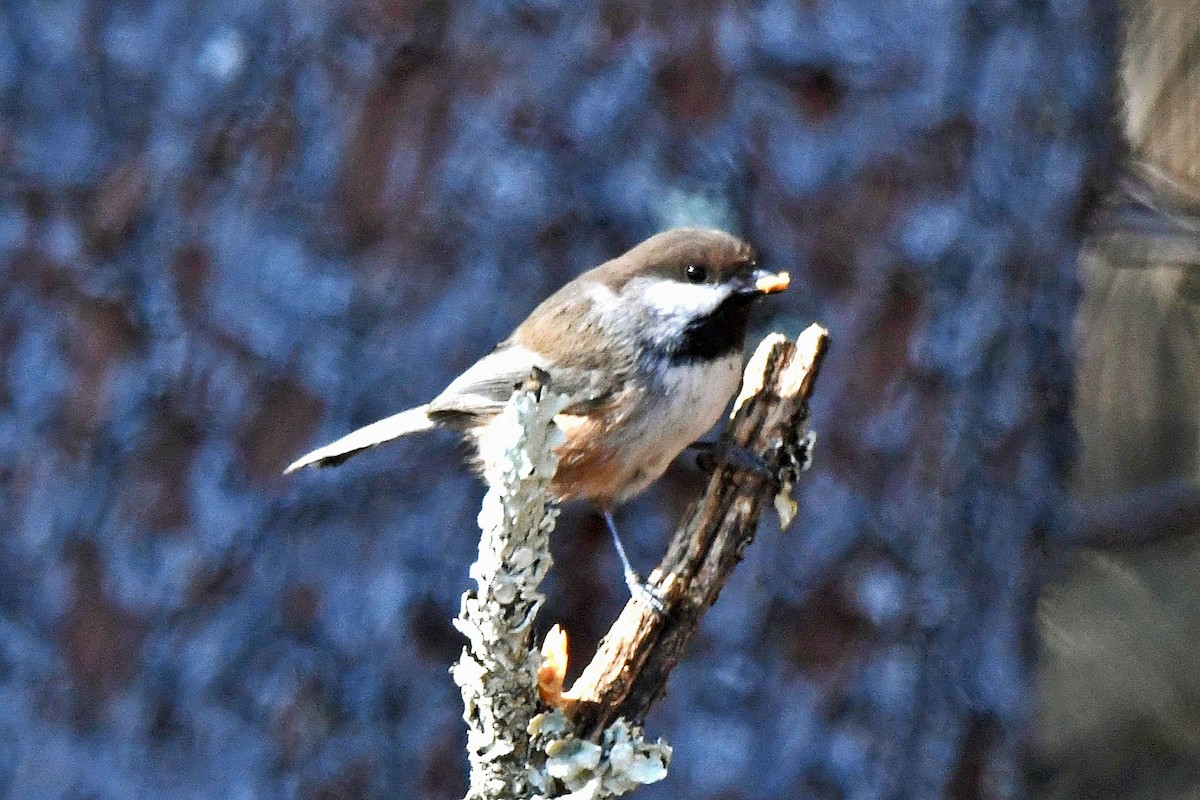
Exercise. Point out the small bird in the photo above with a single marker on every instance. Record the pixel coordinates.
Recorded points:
(647, 348)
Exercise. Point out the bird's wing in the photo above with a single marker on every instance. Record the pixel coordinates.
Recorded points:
(486, 386)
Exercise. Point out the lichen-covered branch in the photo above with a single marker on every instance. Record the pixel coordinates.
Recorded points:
(518, 748)
(630, 668)
(497, 670)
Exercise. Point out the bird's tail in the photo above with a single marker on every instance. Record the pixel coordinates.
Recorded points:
(414, 420)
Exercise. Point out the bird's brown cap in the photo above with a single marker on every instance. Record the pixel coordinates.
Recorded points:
(669, 254)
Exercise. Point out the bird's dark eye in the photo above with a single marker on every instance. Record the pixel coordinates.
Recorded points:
(695, 273)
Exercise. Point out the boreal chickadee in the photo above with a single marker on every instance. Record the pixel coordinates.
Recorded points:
(648, 349)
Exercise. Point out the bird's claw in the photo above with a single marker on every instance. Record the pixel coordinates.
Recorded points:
(793, 455)
(638, 589)
(740, 458)
(644, 593)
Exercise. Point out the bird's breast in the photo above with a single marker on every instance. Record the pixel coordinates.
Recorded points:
(616, 453)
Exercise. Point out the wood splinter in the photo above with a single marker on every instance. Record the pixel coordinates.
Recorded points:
(629, 671)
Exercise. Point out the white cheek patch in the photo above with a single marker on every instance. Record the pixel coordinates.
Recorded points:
(678, 301)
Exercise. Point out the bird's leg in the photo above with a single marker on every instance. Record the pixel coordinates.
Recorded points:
(793, 453)
(723, 452)
(637, 587)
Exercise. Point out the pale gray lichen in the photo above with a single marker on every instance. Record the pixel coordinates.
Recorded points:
(497, 672)
(785, 504)
(513, 751)
(579, 769)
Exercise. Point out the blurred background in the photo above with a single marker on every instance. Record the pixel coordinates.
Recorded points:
(232, 231)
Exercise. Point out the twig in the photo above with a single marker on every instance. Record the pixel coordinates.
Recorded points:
(630, 668)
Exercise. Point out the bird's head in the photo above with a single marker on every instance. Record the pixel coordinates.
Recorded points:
(693, 286)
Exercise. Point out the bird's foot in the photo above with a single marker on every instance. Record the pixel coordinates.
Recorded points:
(644, 593)
(638, 589)
(712, 454)
(794, 457)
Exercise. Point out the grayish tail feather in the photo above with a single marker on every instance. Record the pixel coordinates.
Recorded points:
(414, 420)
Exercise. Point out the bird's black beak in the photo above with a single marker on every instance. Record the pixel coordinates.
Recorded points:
(763, 281)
